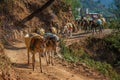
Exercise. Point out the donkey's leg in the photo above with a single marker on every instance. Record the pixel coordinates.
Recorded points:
(52, 57)
(33, 61)
(101, 27)
(66, 34)
(46, 56)
(95, 30)
(28, 56)
(49, 57)
(70, 33)
(40, 62)
(85, 29)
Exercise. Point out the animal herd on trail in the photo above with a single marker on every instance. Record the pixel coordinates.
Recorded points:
(84, 24)
(46, 43)
(91, 25)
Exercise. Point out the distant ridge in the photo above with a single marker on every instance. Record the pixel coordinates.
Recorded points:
(96, 6)
(105, 2)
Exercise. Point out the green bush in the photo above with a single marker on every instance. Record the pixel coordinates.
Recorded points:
(81, 56)
(70, 54)
(113, 24)
(113, 41)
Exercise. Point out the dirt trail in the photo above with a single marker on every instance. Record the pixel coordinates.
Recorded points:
(81, 35)
(18, 56)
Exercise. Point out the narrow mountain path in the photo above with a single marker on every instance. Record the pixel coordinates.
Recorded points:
(60, 71)
(81, 36)
(18, 57)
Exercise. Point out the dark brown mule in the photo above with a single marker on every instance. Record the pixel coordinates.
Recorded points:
(37, 45)
(94, 25)
(84, 24)
(27, 40)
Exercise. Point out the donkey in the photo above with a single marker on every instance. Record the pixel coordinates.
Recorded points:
(68, 29)
(37, 45)
(84, 24)
(94, 24)
(27, 39)
(51, 41)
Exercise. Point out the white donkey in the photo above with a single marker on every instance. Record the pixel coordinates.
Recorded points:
(67, 30)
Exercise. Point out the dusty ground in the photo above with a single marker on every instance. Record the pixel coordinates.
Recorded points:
(61, 71)
(81, 36)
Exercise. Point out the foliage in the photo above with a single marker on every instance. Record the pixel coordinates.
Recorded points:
(96, 7)
(113, 41)
(103, 67)
(81, 56)
(113, 44)
(107, 49)
(117, 10)
(70, 54)
(113, 24)
(74, 4)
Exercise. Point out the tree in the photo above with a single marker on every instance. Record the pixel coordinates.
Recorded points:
(29, 17)
(116, 11)
(117, 8)
(98, 1)
(74, 4)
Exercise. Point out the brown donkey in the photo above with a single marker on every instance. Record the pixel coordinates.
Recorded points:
(51, 45)
(37, 45)
(27, 40)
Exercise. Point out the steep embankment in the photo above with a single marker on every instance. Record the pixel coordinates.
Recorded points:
(13, 11)
(7, 72)
(101, 53)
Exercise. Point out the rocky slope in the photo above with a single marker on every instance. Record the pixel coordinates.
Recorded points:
(13, 11)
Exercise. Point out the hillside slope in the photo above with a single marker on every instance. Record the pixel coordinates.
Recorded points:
(13, 11)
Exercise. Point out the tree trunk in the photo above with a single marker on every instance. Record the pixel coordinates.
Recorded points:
(29, 17)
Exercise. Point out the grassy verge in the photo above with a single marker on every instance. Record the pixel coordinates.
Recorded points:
(81, 56)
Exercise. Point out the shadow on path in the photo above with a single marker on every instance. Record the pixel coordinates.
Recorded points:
(21, 65)
(79, 35)
(12, 47)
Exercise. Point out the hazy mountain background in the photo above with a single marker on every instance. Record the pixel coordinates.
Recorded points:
(97, 6)
(105, 2)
